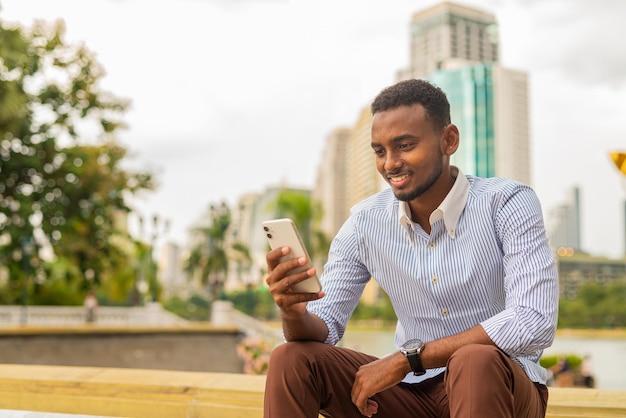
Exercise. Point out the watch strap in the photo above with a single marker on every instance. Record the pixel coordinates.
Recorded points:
(416, 363)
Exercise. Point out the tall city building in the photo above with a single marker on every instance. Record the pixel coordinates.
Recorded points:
(241, 270)
(489, 105)
(347, 173)
(449, 36)
(353, 177)
(564, 225)
(362, 178)
(330, 187)
(456, 47)
(171, 275)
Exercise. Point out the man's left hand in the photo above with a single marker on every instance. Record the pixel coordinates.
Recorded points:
(375, 377)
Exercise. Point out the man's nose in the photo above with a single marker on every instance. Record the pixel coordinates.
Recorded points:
(392, 162)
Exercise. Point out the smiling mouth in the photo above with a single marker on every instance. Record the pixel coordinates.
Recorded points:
(399, 178)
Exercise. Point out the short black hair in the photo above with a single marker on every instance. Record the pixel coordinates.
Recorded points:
(410, 92)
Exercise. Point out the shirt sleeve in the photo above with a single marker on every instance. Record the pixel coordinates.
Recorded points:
(343, 281)
(528, 323)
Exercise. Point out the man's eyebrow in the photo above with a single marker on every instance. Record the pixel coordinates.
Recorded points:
(394, 140)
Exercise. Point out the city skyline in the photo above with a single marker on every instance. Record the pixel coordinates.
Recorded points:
(226, 97)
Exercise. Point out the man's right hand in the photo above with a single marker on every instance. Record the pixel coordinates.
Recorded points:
(298, 324)
(292, 304)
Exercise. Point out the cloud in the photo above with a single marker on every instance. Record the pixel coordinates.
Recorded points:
(233, 96)
(580, 39)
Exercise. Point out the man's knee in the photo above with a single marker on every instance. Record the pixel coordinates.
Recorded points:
(473, 363)
(295, 355)
(475, 353)
(476, 357)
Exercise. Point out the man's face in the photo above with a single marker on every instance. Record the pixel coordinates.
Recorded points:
(410, 154)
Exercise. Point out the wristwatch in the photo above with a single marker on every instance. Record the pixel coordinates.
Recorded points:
(412, 349)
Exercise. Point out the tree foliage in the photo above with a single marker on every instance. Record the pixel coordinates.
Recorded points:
(596, 306)
(254, 301)
(306, 214)
(208, 257)
(63, 190)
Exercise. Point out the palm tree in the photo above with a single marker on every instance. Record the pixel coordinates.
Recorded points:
(306, 214)
(239, 253)
(208, 258)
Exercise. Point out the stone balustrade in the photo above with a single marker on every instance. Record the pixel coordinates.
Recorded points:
(151, 314)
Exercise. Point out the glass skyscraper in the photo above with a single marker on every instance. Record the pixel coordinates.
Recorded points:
(456, 47)
(470, 92)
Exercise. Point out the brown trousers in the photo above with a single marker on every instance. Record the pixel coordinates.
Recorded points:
(309, 378)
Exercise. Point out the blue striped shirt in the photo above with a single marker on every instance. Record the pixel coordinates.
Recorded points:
(486, 261)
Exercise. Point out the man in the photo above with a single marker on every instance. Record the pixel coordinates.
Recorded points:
(466, 264)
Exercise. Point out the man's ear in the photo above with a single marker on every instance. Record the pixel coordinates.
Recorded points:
(450, 141)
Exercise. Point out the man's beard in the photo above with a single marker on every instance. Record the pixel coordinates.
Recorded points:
(417, 192)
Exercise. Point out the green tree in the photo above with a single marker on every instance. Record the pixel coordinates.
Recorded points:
(596, 306)
(239, 254)
(254, 301)
(208, 258)
(306, 214)
(297, 205)
(62, 186)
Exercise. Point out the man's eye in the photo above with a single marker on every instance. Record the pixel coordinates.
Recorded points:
(379, 152)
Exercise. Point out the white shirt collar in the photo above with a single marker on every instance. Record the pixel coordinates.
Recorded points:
(449, 209)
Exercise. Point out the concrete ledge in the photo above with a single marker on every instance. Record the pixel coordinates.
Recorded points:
(579, 402)
(174, 394)
(130, 392)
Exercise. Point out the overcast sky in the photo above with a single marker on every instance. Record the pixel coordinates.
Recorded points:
(232, 96)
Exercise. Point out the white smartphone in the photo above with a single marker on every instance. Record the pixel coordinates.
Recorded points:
(283, 232)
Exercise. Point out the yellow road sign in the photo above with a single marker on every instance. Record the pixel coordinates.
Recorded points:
(619, 159)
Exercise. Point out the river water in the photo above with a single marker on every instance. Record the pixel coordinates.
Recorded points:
(608, 355)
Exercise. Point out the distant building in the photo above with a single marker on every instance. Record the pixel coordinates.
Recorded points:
(362, 179)
(448, 36)
(578, 269)
(171, 276)
(245, 228)
(564, 225)
(239, 237)
(330, 187)
(624, 227)
(456, 48)
(347, 173)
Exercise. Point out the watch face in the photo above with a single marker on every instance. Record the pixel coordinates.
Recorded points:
(412, 345)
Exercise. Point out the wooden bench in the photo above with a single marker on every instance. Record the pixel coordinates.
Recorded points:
(141, 393)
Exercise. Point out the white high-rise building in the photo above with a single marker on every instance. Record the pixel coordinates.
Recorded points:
(330, 187)
(456, 47)
(449, 36)
(564, 224)
(171, 275)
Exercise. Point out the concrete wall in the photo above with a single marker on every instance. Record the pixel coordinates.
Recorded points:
(201, 348)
